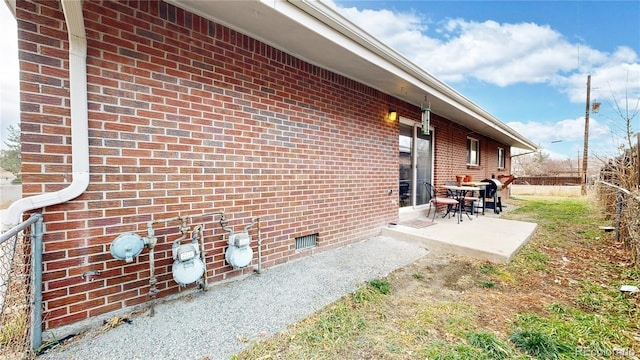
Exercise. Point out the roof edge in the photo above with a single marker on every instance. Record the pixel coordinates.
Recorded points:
(329, 16)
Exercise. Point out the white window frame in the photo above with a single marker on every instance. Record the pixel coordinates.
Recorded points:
(501, 162)
(475, 161)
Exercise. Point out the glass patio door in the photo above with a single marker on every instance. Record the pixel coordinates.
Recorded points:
(415, 165)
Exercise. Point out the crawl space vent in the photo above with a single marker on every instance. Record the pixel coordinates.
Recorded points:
(307, 241)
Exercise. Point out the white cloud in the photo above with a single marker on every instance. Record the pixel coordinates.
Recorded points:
(503, 54)
(569, 134)
(400, 30)
(565, 130)
(616, 77)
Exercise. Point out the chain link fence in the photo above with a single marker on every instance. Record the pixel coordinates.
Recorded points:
(622, 206)
(21, 315)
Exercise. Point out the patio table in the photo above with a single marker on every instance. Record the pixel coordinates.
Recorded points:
(482, 186)
(459, 193)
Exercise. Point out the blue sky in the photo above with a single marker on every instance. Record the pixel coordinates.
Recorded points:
(526, 62)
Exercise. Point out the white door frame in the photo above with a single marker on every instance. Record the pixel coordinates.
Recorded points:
(417, 125)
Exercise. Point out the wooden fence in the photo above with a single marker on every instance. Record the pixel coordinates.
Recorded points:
(547, 180)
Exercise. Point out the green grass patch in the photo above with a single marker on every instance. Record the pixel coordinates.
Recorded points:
(567, 330)
(418, 276)
(395, 318)
(560, 219)
(490, 345)
(453, 317)
(382, 286)
(487, 284)
(534, 259)
(557, 211)
(488, 269)
(539, 344)
(605, 299)
(335, 326)
(441, 350)
(371, 292)
(592, 297)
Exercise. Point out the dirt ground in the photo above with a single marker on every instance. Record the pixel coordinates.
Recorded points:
(438, 297)
(451, 278)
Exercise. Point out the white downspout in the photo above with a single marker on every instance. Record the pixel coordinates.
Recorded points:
(79, 122)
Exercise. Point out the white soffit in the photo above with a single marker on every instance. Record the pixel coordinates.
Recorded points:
(313, 32)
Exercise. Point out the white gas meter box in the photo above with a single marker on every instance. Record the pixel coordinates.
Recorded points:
(239, 239)
(239, 254)
(187, 265)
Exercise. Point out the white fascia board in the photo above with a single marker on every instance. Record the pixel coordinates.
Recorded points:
(389, 59)
(323, 21)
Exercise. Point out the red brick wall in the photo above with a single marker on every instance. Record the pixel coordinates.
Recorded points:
(188, 117)
(450, 146)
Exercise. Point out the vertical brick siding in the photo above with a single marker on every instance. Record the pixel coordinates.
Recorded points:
(188, 117)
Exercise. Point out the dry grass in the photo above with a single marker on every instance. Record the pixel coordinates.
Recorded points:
(622, 210)
(545, 190)
(15, 338)
(447, 307)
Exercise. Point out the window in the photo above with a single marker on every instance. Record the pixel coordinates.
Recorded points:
(473, 152)
(500, 158)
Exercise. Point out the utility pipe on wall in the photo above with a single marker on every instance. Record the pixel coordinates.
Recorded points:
(151, 242)
(259, 268)
(79, 122)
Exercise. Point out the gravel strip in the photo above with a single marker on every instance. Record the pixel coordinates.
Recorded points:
(225, 319)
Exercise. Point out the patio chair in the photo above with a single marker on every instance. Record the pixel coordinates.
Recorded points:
(404, 193)
(471, 201)
(436, 199)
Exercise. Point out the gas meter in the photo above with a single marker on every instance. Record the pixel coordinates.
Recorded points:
(188, 267)
(127, 246)
(239, 253)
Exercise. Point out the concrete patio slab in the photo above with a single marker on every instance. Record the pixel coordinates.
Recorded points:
(485, 237)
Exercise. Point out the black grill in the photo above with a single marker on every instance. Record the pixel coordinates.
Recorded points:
(493, 196)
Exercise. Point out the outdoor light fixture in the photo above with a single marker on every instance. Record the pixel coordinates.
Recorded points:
(393, 115)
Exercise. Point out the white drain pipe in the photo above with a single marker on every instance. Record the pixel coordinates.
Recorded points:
(79, 122)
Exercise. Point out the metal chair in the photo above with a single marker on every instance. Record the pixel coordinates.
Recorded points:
(471, 200)
(404, 188)
(436, 200)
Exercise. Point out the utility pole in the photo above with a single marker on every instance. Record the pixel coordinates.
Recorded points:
(583, 178)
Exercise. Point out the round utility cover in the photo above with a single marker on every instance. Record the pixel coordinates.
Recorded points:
(127, 246)
(239, 257)
(185, 273)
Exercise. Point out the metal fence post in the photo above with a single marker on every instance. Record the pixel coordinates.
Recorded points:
(21, 287)
(619, 201)
(36, 283)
